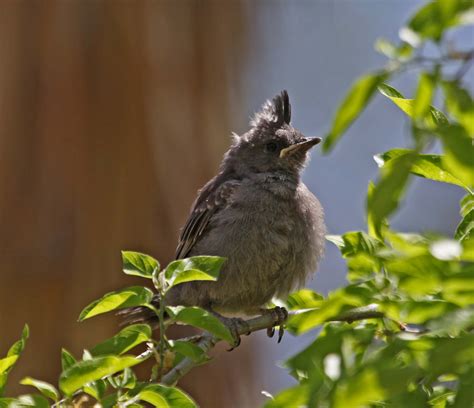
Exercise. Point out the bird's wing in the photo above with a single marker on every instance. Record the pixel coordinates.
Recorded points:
(214, 196)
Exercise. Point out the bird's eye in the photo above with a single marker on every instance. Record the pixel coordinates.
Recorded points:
(271, 147)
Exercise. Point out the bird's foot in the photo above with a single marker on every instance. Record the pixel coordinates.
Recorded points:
(279, 314)
(236, 326)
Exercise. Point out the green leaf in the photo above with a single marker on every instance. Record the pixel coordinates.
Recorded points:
(341, 300)
(459, 153)
(424, 95)
(296, 396)
(459, 288)
(196, 268)
(188, 349)
(129, 297)
(452, 323)
(127, 379)
(354, 103)
(95, 389)
(165, 397)
(7, 402)
(67, 359)
(460, 104)
(197, 317)
(304, 299)
(429, 166)
(30, 400)
(85, 371)
(372, 383)
(390, 50)
(466, 204)
(138, 264)
(465, 229)
(431, 21)
(353, 243)
(386, 195)
(460, 351)
(7, 363)
(434, 120)
(125, 340)
(45, 388)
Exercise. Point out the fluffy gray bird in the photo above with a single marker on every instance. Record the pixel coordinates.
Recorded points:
(258, 214)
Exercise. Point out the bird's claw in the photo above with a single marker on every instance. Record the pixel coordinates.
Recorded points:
(279, 314)
(236, 326)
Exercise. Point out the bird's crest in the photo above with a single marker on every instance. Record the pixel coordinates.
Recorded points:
(274, 113)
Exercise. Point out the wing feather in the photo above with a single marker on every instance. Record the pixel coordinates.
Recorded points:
(212, 198)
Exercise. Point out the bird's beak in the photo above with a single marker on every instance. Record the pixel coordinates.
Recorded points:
(299, 147)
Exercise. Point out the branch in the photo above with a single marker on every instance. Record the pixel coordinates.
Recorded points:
(208, 341)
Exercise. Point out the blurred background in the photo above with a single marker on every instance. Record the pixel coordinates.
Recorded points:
(114, 113)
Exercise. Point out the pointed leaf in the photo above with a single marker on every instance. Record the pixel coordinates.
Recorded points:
(45, 388)
(389, 190)
(196, 268)
(460, 104)
(67, 359)
(86, 371)
(138, 264)
(123, 341)
(129, 297)
(459, 153)
(7, 363)
(435, 118)
(165, 397)
(429, 166)
(354, 103)
(197, 317)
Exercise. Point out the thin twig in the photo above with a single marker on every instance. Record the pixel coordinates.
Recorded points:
(208, 341)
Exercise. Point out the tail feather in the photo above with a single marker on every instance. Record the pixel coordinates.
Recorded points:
(140, 315)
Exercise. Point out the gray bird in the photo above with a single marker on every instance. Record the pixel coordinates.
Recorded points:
(257, 213)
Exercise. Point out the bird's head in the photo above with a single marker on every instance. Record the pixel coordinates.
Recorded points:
(271, 144)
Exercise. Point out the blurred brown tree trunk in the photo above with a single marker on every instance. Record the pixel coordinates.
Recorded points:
(112, 114)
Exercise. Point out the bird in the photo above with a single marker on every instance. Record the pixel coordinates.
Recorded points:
(259, 215)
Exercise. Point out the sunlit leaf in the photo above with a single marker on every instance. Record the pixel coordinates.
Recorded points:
(433, 19)
(424, 95)
(129, 297)
(7, 363)
(86, 371)
(353, 243)
(45, 388)
(388, 192)
(465, 229)
(459, 149)
(354, 103)
(165, 397)
(196, 268)
(304, 299)
(123, 341)
(197, 317)
(429, 166)
(390, 50)
(296, 396)
(7, 402)
(435, 119)
(67, 359)
(138, 264)
(338, 301)
(30, 400)
(460, 104)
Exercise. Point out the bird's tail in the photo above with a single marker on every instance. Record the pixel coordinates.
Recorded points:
(141, 314)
